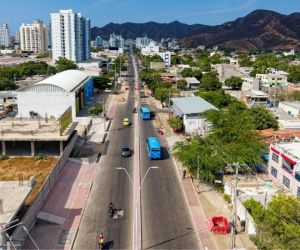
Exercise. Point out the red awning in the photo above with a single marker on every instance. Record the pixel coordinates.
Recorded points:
(289, 160)
(275, 151)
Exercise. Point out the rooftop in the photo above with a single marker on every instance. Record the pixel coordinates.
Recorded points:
(20, 129)
(13, 195)
(191, 80)
(67, 80)
(191, 105)
(291, 148)
(294, 104)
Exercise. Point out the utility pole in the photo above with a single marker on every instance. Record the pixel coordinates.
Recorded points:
(198, 173)
(169, 104)
(115, 81)
(234, 215)
(104, 114)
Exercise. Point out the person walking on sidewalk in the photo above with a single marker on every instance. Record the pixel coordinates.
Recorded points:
(183, 173)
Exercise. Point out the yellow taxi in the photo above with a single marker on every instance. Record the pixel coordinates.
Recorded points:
(126, 122)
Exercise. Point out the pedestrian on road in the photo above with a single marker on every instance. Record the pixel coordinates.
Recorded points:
(192, 177)
(183, 173)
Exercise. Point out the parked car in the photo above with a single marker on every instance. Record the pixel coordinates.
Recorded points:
(126, 151)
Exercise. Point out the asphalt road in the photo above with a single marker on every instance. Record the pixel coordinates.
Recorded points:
(166, 222)
(111, 185)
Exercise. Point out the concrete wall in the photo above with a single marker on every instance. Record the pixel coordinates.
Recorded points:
(194, 125)
(52, 104)
(29, 218)
(242, 212)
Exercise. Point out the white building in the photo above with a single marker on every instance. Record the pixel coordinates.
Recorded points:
(52, 96)
(141, 42)
(191, 110)
(34, 37)
(192, 83)
(272, 79)
(70, 34)
(4, 36)
(284, 165)
(150, 50)
(166, 56)
(116, 41)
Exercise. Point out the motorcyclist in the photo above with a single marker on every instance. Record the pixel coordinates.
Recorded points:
(101, 240)
(111, 208)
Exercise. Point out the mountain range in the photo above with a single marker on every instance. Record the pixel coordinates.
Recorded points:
(261, 29)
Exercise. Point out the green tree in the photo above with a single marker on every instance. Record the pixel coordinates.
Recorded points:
(217, 98)
(187, 72)
(215, 59)
(227, 141)
(176, 123)
(209, 82)
(181, 84)
(96, 110)
(63, 64)
(234, 82)
(278, 225)
(294, 74)
(263, 118)
(101, 82)
(198, 74)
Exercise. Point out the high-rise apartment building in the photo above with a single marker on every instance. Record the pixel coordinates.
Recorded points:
(34, 37)
(116, 41)
(71, 37)
(4, 35)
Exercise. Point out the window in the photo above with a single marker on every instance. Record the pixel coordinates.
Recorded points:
(286, 181)
(274, 172)
(275, 157)
(298, 191)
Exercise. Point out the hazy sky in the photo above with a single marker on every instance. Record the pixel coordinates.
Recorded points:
(101, 12)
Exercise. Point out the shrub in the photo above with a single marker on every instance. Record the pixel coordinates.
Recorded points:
(175, 123)
(227, 198)
(3, 157)
(40, 156)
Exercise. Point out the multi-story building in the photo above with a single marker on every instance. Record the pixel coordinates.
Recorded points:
(4, 36)
(150, 50)
(166, 56)
(142, 42)
(71, 36)
(273, 79)
(284, 165)
(99, 41)
(116, 41)
(34, 37)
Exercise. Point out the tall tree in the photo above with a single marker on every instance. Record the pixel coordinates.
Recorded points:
(234, 82)
(63, 64)
(210, 82)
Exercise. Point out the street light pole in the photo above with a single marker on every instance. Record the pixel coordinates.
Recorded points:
(136, 201)
(198, 173)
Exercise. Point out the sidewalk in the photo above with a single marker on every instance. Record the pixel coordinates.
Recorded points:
(67, 201)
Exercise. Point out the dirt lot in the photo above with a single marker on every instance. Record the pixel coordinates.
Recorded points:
(12, 168)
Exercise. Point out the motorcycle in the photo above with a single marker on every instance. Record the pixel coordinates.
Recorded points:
(111, 211)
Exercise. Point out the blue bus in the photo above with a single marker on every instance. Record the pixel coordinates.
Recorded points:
(153, 148)
(145, 113)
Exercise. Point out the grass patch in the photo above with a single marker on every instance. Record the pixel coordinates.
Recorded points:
(12, 168)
